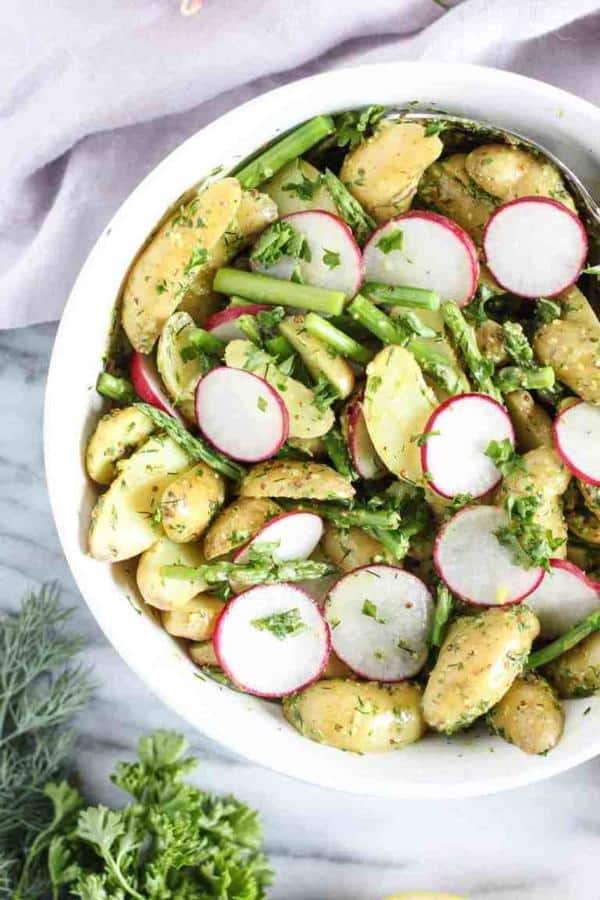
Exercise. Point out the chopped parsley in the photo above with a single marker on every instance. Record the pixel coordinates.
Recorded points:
(369, 609)
(529, 544)
(435, 128)
(161, 286)
(324, 394)
(504, 456)
(546, 311)
(393, 240)
(282, 624)
(262, 404)
(592, 270)
(304, 189)
(355, 127)
(279, 240)
(331, 259)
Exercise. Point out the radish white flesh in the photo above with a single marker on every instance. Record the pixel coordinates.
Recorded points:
(223, 324)
(380, 618)
(364, 456)
(272, 640)
(534, 246)
(433, 253)
(577, 439)
(333, 260)
(295, 533)
(241, 414)
(147, 384)
(565, 597)
(456, 437)
(470, 559)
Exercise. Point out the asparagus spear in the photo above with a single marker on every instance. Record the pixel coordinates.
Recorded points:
(338, 453)
(464, 337)
(393, 295)
(395, 541)
(284, 151)
(511, 378)
(196, 449)
(413, 325)
(264, 289)
(253, 573)
(348, 516)
(433, 364)
(279, 347)
(565, 642)
(517, 346)
(338, 340)
(349, 208)
(443, 611)
(118, 389)
(200, 339)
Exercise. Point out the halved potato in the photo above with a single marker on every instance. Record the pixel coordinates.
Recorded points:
(508, 172)
(306, 420)
(319, 359)
(572, 350)
(123, 521)
(314, 447)
(530, 715)
(168, 593)
(118, 432)
(297, 480)
(447, 187)
(577, 672)
(584, 526)
(236, 524)
(532, 424)
(195, 620)
(190, 502)
(349, 548)
(490, 340)
(396, 407)
(179, 376)
(364, 717)
(203, 654)
(383, 172)
(298, 187)
(578, 309)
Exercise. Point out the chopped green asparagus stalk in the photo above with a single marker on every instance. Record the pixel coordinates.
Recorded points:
(413, 325)
(338, 340)
(349, 208)
(118, 389)
(338, 453)
(441, 615)
(433, 364)
(464, 337)
(279, 347)
(196, 449)
(253, 573)
(395, 541)
(565, 642)
(200, 339)
(239, 301)
(264, 289)
(249, 326)
(393, 295)
(511, 378)
(360, 516)
(517, 346)
(284, 151)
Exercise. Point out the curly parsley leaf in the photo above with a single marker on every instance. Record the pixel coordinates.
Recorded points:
(504, 456)
(529, 544)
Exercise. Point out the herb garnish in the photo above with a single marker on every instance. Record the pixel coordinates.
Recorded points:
(529, 544)
(304, 189)
(393, 240)
(331, 259)
(504, 456)
(279, 240)
(324, 394)
(370, 609)
(281, 624)
(354, 127)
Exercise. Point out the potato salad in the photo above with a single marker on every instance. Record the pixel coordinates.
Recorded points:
(353, 443)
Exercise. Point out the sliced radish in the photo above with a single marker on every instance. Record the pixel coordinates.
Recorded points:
(470, 559)
(241, 414)
(333, 260)
(577, 439)
(535, 246)
(147, 383)
(432, 252)
(457, 435)
(295, 533)
(380, 619)
(272, 640)
(364, 456)
(564, 597)
(223, 324)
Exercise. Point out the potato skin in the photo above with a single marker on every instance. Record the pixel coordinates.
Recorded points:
(509, 172)
(195, 620)
(591, 497)
(530, 715)
(179, 376)
(288, 201)
(490, 340)
(203, 653)
(115, 435)
(572, 350)
(364, 717)
(532, 424)
(236, 524)
(319, 360)
(350, 548)
(479, 660)
(584, 526)
(447, 187)
(296, 479)
(167, 593)
(577, 672)
(190, 502)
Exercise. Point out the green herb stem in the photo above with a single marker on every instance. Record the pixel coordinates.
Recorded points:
(393, 295)
(118, 389)
(441, 615)
(338, 340)
(349, 208)
(205, 342)
(565, 642)
(512, 378)
(276, 291)
(337, 451)
(464, 337)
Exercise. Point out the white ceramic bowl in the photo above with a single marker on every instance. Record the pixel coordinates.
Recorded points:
(253, 728)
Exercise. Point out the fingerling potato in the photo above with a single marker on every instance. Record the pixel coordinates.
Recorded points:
(116, 434)
(530, 715)
(190, 502)
(319, 359)
(447, 187)
(180, 376)
(584, 526)
(236, 524)
(167, 593)
(577, 672)
(195, 620)
(577, 308)
(478, 661)
(123, 521)
(297, 187)
(203, 654)
(509, 172)
(296, 479)
(591, 497)
(350, 548)
(572, 351)
(532, 424)
(364, 717)
(490, 340)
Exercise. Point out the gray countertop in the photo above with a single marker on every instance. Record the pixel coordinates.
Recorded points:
(534, 843)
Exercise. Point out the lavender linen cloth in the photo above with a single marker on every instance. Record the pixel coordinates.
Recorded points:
(93, 95)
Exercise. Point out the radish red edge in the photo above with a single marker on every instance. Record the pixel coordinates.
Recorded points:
(551, 202)
(268, 389)
(228, 317)
(459, 594)
(430, 426)
(270, 695)
(364, 458)
(451, 226)
(574, 570)
(240, 553)
(146, 382)
(564, 565)
(571, 466)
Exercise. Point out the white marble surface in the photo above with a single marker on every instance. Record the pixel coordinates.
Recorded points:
(538, 842)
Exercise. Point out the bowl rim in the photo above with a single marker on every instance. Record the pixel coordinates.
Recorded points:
(300, 768)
